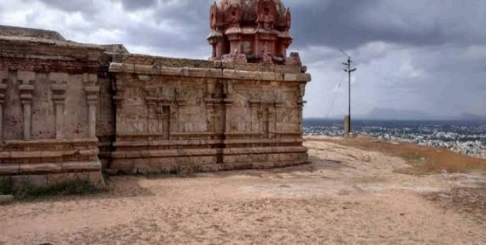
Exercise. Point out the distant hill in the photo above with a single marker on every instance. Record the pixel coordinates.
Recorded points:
(392, 114)
(471, 117)
(387, 114)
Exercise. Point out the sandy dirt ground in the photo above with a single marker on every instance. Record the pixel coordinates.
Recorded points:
(346, 196)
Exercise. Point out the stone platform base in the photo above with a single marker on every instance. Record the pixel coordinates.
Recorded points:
(192, 164)
(43, 180)
(49, 162)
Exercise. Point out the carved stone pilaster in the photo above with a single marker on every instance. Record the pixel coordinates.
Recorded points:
(59, 87)
(302, 91)
(92, 91)
(3, 88)
(179, 98)
(163, 105)
(119, 89)
(254, 105)
(26, 89)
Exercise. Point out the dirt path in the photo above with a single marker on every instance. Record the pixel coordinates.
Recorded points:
(347, 196)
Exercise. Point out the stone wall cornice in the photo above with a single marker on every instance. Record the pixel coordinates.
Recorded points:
(45, 64)
(158, 61)
(53, 50)
(44, 41)
(209, 73)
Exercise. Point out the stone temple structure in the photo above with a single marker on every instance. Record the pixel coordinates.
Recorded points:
(70, 110)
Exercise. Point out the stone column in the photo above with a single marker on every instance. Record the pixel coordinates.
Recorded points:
(278, 117)
(210, 115)
(179, 102)
(228, 102)
(59, 87)
(235, 43)
(92, 92)
(26, 89)
(3, 87)
(210, 105)
(257, 51)
(118, 99)
(301, 102)
(254, 105)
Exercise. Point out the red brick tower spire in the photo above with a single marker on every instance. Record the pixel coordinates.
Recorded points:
(251, 31)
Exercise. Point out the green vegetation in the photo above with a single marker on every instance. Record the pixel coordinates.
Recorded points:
(5, 186)
(29, 192)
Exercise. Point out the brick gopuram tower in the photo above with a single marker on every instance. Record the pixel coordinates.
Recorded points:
(251, 31)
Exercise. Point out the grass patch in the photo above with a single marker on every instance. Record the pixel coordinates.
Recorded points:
(6, 186)
(30, 192)
(422, 159)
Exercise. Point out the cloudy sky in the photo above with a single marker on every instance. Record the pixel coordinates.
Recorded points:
(425, 55)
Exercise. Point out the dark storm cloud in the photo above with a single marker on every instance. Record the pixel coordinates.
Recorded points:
(410, 54)
(350, 23)
(131, 5)
(188, 21)
(83, 6)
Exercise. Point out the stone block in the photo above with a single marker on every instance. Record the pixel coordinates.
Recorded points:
(58, 77)
(291, 77)
(81, 166)
(183, 161)
(273, 157)
(4, 155)
(288, 69)
(303, 157)
(243, 158)
(260, 157)
(25, 154)
(20, 181)
(51, 154)
(262, 165)
(40, 168)
(3, 74)
(210, 168)
(243, 165)
(205, 160)
(25, 75)
(228, 159)
(142, 165)
(268, 76)
(96, 178)
(125, 165)
(160, 163)
(53, 179)
(228, 166)
(9, 169)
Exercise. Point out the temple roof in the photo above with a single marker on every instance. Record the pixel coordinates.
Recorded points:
(250, 7)
(31, 33)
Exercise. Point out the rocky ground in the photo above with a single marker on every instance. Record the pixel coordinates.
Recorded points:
(346, 196)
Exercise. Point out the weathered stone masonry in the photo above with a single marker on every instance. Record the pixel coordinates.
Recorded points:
(206, 115)
(69, 110)
(46, 131)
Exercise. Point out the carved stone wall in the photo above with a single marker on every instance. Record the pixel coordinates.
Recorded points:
(68, 110)
(48, 95)
(173, 114)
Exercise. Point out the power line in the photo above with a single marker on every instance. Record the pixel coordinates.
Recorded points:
(334, 99)
(344, 53)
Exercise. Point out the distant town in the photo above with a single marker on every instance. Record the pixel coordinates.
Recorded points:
(466, 137)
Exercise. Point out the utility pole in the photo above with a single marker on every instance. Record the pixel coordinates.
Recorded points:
(349, 70)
